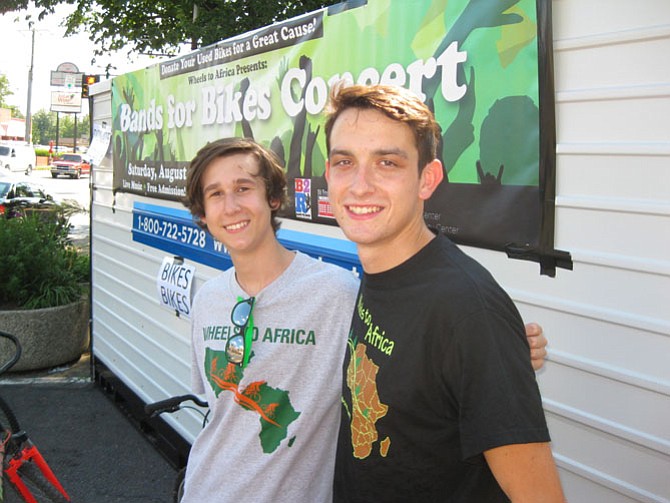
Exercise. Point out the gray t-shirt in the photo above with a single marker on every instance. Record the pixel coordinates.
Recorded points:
(273, 425)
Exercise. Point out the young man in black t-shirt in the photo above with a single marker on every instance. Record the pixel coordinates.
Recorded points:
(440, 400)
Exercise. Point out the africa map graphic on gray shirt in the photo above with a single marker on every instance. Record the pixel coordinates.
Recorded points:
(272, 405)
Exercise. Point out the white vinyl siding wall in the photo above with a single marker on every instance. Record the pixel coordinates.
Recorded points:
(606, 386)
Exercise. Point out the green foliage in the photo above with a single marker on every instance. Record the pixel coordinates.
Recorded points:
(161, 26)
(67, 124)
(5, 90)
(39, 266)
(44, 127)
(16, 112)
(11, 5)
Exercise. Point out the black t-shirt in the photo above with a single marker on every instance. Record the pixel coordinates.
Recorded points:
(437, 371)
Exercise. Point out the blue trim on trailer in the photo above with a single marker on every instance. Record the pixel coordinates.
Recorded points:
(173, 230)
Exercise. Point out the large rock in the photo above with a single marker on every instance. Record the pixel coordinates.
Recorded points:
(49, 337)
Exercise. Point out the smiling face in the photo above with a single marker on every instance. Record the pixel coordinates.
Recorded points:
(236, 208)
(375, 186)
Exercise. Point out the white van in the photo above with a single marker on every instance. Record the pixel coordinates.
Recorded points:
(17, 157)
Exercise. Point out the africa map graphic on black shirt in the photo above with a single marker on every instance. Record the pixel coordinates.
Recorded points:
(366, 408)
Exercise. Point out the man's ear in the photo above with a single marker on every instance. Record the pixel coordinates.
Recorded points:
(327, 170)
(431, 176)
(275, 204)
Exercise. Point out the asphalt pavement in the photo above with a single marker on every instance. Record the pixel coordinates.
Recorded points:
(95, 450)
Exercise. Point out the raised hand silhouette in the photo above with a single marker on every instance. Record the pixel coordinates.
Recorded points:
(488, 178)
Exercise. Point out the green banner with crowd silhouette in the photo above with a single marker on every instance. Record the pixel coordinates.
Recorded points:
(484, 68)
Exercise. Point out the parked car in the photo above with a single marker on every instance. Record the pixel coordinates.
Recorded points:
(17, 157)
(72, 165)
(20, 197)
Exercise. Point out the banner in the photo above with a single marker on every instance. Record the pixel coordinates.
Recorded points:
(484, 68)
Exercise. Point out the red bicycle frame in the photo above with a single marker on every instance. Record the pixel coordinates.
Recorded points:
(29, 453)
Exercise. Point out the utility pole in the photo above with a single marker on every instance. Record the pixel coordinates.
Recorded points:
(194, 40)
(28, 134)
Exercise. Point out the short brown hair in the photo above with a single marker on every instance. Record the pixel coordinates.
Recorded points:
(396, 103)
(269, 169)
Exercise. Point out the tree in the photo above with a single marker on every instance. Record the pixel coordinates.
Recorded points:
(44, 127)
(66, 127)
(16, 112)
(161, 26)
(12, 5)
(5, 91)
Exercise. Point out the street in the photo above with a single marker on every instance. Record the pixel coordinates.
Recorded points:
(95, 450)
(65, 188)
(61, 189)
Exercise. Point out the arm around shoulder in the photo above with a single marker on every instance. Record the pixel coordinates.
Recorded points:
(538, 345)
(526, 472)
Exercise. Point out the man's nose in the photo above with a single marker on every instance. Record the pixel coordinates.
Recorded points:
(363, 179)
(230, 204)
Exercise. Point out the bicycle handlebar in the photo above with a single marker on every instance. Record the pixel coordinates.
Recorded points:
(172, 404)
(17, 353)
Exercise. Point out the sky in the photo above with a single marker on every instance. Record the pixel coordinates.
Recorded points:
(51, 49)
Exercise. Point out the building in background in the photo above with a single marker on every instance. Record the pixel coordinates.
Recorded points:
(11, 128)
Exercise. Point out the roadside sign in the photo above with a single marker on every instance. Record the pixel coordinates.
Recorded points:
(61, 79)
(66, 101)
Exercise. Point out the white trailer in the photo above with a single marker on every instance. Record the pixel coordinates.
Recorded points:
(606, 384)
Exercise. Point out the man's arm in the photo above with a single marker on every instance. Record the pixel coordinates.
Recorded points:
(538, 343)
(526, 472)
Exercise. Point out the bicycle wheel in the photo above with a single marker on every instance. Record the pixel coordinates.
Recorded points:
(2, 466)
(8, 419)
(5, 435)
(38, 485)
(179, 485)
